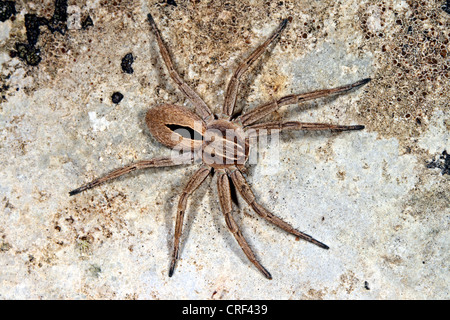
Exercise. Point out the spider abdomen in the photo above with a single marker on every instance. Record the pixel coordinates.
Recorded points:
(176, 127)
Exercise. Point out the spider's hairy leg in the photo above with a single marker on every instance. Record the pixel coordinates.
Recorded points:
(195, 181)
(246, 192)
(261, 111)
(233, 85)
(266, 127)
(200, 106)
(186, 158)
(223, 186)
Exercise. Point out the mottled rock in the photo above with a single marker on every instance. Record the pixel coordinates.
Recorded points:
(370, 195)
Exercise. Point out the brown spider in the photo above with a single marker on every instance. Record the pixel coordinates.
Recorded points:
(214, 146)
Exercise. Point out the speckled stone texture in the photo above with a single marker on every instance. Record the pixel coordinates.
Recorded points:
(378, 197)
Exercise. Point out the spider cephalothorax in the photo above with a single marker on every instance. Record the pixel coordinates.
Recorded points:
(220, 142)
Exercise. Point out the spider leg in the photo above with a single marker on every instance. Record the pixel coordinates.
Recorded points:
(263, 110)
(202, 109)
(266, 127)
(246, 192)
(195, 181)
(157, 162)
(223, 186)
(233, 85)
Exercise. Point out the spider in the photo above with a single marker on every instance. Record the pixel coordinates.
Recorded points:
(213, 146)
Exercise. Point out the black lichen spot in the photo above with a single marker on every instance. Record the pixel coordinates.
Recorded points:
(60, 13)
(116, 97)
(446, 6)
(58, 22)
(27, 51)
(127, 61)
(4, 87)
(32, 24)
(30, 54)
(87, 23)
(441, 162)
(3, 90)
(172, 2)
(7, 9)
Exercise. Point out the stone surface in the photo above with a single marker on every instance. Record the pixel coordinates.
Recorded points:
(369, 194)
